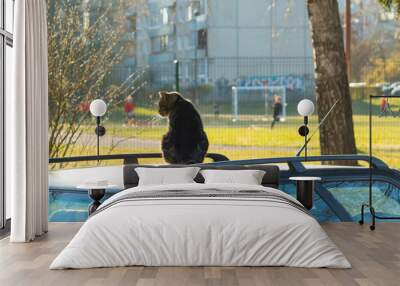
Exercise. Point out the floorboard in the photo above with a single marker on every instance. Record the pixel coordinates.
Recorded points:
(375, 257)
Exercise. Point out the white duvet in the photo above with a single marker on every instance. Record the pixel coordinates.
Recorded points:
(200, 231)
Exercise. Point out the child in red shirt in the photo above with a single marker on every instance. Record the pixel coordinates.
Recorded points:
(384, 104)
(129, 108)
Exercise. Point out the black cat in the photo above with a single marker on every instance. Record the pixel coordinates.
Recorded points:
(185, 142)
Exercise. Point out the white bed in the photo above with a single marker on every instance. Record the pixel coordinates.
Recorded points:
(202, 231)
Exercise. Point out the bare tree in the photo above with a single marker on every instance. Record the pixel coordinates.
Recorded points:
(393, 5)
(84, 45)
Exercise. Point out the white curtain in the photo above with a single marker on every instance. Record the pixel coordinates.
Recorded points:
(27, 123)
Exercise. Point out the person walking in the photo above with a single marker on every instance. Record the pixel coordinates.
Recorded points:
(384, 105)
(277, 110)
(216, 110)
(129, 108)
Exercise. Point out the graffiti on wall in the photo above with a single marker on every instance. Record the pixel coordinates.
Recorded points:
(291, 82)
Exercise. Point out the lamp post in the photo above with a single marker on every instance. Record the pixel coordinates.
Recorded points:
(98, 108)
(176, 62)
(196, 46)
(305, 108)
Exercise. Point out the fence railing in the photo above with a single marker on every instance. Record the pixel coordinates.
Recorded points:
(216, 76)
(127, 158)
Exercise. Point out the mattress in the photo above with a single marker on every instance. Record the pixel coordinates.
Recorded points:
(201, 225)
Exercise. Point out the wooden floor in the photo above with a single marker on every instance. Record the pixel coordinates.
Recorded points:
(375, 257)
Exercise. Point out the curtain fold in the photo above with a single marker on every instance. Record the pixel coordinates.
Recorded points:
(27, 123)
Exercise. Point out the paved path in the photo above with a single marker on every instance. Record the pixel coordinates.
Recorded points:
(134, 142)
(144, 143)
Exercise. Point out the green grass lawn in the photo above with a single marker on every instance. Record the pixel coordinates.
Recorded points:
(251, 136)
(243, 133)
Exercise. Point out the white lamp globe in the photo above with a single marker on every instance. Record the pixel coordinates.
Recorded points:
(305, 107)
(98, 107)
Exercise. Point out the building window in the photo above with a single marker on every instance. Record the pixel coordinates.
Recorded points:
(6, 63)
(130, 49)
(155, 45)
(202, 39)
(189, 13)
(132, 23)
(164, 16)
(159, 44)
(164, 43)
(8, 8)
(194, 9)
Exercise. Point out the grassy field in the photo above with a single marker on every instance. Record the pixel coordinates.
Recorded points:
(249, 137)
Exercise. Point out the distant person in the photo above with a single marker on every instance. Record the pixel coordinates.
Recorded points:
(276, 110)
(384, 106)
(84, 107)
(129, 108)
(216, 110)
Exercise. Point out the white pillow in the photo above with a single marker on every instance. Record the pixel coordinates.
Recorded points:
(166, 176)
(248, 177)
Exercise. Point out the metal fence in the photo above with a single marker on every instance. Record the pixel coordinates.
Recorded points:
(211, 78)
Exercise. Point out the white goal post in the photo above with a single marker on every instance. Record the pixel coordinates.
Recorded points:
(268, 93)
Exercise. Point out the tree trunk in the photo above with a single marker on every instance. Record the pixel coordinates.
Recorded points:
(337, 133)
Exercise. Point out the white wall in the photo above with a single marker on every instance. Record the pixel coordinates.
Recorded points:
(256, 29)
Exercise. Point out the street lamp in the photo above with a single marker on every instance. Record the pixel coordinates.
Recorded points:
(305, 108)
(98, 108)
(176, 62)
(196, 46)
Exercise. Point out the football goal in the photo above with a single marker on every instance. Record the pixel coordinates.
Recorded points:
(257, 101)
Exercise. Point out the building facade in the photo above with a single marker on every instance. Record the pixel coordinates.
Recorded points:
(225, 41)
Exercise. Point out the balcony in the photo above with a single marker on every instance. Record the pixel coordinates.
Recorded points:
(159, 30)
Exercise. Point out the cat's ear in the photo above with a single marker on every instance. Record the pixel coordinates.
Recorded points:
(168, 97)
(161, 93)
(171, 98)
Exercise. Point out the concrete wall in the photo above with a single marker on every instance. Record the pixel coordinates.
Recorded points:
(241, 29)
(254, 38)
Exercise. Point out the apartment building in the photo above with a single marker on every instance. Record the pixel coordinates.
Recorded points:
(231, 41)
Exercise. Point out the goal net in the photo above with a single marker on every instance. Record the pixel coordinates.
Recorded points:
(257, 102)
